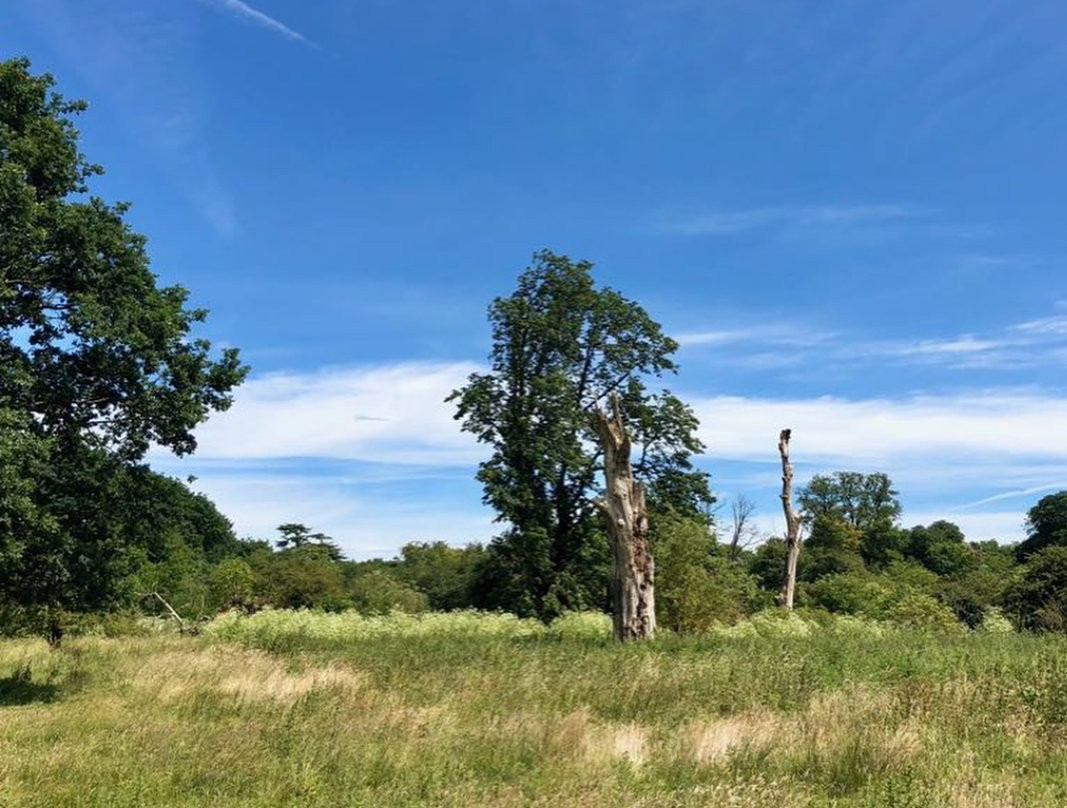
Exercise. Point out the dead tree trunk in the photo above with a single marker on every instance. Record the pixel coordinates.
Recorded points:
(633, 571)
(792, 523)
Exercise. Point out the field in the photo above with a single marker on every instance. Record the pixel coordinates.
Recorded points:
(467, 710)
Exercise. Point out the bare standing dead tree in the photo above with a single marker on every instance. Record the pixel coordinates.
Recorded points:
(792, 523)
(741, 532)
(623, 503)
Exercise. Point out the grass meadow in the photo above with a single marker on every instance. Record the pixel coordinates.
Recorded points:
(485, 710)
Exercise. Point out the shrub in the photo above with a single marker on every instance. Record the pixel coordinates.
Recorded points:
(919, 610)
(581, 626)
(378, 592)
(1038, 599)
(231, 584)
(698, 585)
(278, 629)
(773, 623)
(994, 622)
(843, 593)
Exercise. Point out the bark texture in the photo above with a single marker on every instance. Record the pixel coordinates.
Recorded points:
(792, 523)
(633, 570)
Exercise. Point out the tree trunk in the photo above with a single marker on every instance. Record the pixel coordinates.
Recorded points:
(633, 571)
(792, 523)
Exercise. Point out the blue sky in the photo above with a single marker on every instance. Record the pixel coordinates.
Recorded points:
(849, 213)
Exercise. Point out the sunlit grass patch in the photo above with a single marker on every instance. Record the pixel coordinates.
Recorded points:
(468, 709)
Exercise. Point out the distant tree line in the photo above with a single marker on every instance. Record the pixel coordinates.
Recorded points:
(857, 560)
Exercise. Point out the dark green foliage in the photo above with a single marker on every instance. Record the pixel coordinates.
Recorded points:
(867, 503)
(767, 564)
(96, 363)
(181, 577)
(298, 578)
(941, 547)
(159, 505)
(518, 574)
(842, 593)
(295, 536)
(69, 549)
(883, 544)
(980, 585)
(561, 345)
(819, 562)
(864, 501)
(1047, 524)
(88, 342)
(902, 594)
(105, 532)
(379, 592)
(1038, 598)
(832, 547)
(231, 585)
(697, 583)
(445, 574)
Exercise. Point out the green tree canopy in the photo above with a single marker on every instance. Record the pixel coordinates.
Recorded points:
(90, 345)
(941, 547)
(864, 501)
(97, 361)
(561, 345)
(1037, 599)
(1047, 525)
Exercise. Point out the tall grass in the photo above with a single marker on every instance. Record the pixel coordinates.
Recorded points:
(465, 710)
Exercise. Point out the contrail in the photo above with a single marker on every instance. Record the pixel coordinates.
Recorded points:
(1006, 495)
(244, 10)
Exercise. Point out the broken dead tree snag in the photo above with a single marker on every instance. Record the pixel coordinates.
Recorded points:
(623, 504)
(792, 523)
(182, 628)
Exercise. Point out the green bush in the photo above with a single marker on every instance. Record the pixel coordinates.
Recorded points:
(378, 592)
(697, 584)
(843, 593)
(922, 611)
(231, 584)
(1037, 600)
(994, 622)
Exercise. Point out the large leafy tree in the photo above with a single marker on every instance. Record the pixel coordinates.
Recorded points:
(561, 345)
(867, 503)
(863, 501)
(89, 343)
(97, 360)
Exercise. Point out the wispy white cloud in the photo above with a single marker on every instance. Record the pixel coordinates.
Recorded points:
(943, 451)
(725, 222)
(1041, 341)
(381, 413)
(771, 335)
(966, 344)
(397, 414)
(947, 430)
(365, 522)
(1055, 326)
(253, 15)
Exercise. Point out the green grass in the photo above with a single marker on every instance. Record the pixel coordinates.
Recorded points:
(462, 710)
